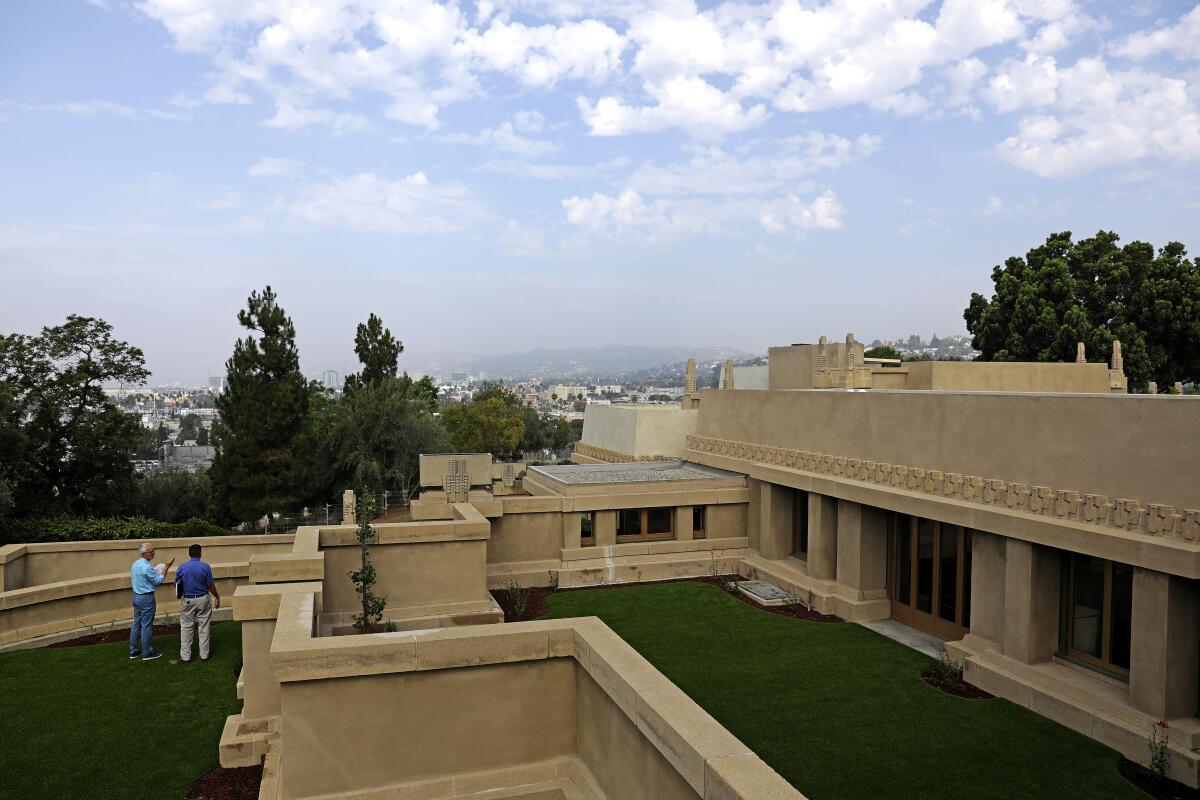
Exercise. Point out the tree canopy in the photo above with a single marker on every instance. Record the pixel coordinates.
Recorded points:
(74, 444)
(1094, 291)
(262, 459)
(378, 352)
(493, 422)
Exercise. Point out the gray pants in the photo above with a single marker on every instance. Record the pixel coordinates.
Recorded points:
(196, 612)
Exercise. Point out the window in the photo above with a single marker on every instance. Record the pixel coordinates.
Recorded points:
(587, 530)
(645, 523)
(1099, 611)
(800, 525)
(698, 522)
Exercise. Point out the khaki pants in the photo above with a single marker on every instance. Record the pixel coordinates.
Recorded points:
(196, 612)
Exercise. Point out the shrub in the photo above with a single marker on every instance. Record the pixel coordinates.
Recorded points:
(948, 671)
(518, 597)
(66, 528)
(1160, 756)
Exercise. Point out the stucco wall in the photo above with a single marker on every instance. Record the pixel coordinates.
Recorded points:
(639, 430)
(979, 376)
(1126, 446)
(51, 562)
(409, 573)
(371, 731)
(525, 537)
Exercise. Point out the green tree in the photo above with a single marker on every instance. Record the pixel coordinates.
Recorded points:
(883, 351)
(12, 449)
(149, 442)
(378, 433)
(363, 578)
(1094, 291)
(189, 428)
(263, 460)
(77, 444)
(493, 422)
(172, 496)
(378, 352)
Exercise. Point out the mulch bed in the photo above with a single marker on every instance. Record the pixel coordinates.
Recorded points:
(236, 783)
(960, 689)
(114, 635)
(1153, 785)
(535, 603)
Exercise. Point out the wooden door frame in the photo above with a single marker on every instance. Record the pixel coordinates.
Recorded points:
(908, 612)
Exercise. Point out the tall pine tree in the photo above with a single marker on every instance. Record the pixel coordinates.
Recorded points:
(377, 350)
(262, 461)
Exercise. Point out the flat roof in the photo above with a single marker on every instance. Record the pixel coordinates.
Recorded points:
(632, 472)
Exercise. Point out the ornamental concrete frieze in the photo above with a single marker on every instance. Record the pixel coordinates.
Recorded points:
(1151, 519)
(612, 456)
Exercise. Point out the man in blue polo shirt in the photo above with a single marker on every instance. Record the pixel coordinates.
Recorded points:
(194, 582)
(144, 578)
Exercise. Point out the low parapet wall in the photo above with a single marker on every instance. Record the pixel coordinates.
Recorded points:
(557, 706)
(56, 590)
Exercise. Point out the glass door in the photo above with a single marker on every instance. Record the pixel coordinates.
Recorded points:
(930, 575)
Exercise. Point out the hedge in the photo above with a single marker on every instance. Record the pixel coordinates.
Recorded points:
(75, 529)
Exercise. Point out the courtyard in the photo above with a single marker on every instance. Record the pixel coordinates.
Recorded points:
(836, 709)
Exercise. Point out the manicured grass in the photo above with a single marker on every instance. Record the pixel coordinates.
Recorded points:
(841, 711)
(86, 722)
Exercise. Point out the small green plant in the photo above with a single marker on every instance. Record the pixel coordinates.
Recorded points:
(389, 626)
(363, 578)
(714, 566)
(518, 598)
(949, 671)
(553, 580)
(1160, 756)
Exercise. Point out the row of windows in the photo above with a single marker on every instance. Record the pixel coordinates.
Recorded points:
(643, 524)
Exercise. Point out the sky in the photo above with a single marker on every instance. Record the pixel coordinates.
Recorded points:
(505, 175)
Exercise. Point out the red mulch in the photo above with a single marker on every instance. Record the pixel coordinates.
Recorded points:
(114, 635)
(236, 783)
(1153, 785)
(960, 689)
(535, 604)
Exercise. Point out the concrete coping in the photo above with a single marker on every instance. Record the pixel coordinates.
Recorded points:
(11, 552)
(80, 587)
(32, 548)
(261, 601)
(712, 760)
(467, 524)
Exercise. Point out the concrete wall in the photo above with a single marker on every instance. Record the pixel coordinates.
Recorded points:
(369, 731)
(52, 562)
(999, 376)
(434, 467)
(1122, 446)
(409, 573)
(639, 430)
(748, 377)
(525, 537)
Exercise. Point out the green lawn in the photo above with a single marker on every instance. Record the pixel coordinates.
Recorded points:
(839, 710)
(86, 722)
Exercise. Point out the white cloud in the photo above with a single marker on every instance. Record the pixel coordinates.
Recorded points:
(293, 117)
(273, 167)
(689, 103)
(1092, 117)
(507, 137)
(227, 200)
(1181, 40)
(791, 214)
(90, 109)
(369, 203)
(629, 214)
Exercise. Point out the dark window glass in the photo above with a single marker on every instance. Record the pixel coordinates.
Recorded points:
(1087, 605)
(966, 610)
(904, 559)
(1122, 614)
(585, 525)
(948, 576)
(629, 522)
(800, 524)
(697, 522)
(925, 565)
(658, 520)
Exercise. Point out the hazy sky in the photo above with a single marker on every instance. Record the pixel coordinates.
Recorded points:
(504, 175)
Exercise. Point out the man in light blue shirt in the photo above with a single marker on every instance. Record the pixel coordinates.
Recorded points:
(144, 578)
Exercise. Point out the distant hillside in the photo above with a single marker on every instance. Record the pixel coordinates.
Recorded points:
(611, 360)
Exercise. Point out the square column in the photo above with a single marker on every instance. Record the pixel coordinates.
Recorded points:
(752, 513)
(605, 528)
(822, 536)
(683, 523)
(862, 549)
(571, 523)
(1164, 649)
(1032, 576)
(775, 521)
(987, 586)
